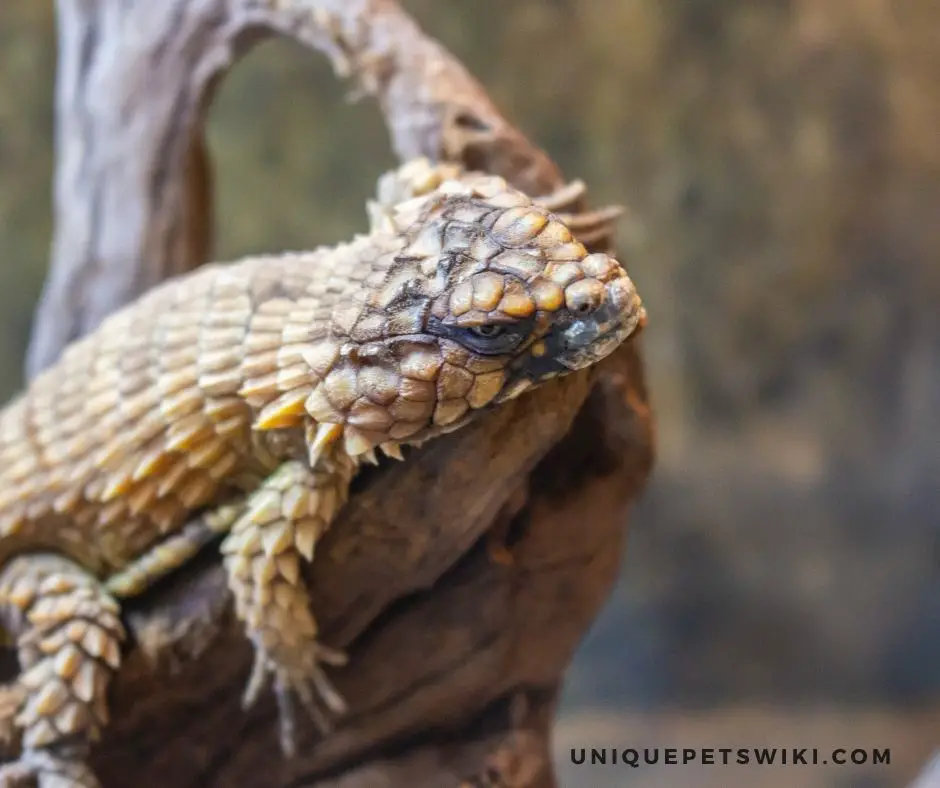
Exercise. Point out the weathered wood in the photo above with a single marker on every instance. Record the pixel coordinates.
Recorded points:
(456, 661)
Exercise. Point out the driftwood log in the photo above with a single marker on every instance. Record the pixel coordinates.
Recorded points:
(456, 661)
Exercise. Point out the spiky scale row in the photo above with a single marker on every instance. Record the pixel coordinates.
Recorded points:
(173, 552)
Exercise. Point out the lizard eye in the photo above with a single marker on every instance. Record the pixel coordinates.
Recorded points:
(487, 332)
(488, 339)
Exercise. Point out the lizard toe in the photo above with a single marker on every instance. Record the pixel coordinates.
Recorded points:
(309, 684)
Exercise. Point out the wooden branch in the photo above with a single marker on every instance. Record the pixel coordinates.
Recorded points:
(455, 661)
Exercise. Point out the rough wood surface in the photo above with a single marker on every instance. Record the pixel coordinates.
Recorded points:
(455, 661)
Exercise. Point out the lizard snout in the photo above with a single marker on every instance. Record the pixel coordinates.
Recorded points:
(604, 315)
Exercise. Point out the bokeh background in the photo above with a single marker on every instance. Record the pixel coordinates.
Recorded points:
(781, 163)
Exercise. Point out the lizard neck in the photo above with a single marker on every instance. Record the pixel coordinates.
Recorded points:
(299, 367)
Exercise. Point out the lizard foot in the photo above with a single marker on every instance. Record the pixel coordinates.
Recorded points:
(40, 769)
(280, 527)
(68, 638)
(309, 684)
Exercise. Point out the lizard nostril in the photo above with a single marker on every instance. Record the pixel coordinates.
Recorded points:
(584, 297)
(583, 308)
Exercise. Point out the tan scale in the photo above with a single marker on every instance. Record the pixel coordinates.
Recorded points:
(236, 404)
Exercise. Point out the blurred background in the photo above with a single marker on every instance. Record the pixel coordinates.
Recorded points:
(781, 163)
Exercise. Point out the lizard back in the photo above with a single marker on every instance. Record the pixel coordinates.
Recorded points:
(149, 418)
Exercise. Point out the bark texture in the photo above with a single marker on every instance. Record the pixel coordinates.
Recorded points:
(455, 661)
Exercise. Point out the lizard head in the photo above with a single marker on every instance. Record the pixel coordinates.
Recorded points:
(486, 295)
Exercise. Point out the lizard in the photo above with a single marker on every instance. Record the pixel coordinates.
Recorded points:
(234, 404)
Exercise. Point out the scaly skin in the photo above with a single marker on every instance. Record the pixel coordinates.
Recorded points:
(240, 400)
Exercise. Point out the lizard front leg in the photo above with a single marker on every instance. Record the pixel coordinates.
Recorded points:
(68, 638)
(284, 520)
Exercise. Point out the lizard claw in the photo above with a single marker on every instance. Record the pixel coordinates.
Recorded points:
(310, 685)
